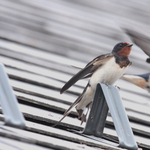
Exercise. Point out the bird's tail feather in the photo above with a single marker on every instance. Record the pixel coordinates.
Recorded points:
(68, 110)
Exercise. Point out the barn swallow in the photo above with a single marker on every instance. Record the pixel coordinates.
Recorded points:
(104, 69)
(142, 80)
(141, 38)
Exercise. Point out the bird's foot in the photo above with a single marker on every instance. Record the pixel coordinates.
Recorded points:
(107, 85)
(117, 87)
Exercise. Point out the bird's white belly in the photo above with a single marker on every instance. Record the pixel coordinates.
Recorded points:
(87, 98)
(107, 74)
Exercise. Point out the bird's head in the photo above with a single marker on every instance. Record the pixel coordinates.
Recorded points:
(122, 48)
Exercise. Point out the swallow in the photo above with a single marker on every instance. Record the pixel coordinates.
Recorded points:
(106, 69)
(142, 80)
(141, 38)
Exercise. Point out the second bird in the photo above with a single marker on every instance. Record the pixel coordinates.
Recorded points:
(106, 69)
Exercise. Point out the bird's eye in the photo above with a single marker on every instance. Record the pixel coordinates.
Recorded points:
(121, 45)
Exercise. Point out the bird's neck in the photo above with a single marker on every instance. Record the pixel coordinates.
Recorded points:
(122, 60)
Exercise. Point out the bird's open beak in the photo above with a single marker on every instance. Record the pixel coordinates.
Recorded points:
(129, 45)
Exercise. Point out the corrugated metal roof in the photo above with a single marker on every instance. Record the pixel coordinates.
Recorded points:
(41, 42)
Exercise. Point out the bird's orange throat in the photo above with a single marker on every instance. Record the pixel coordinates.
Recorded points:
(125, 51)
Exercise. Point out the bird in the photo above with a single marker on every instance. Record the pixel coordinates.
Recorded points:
(141, 37)
(106, 69)
(142, 80)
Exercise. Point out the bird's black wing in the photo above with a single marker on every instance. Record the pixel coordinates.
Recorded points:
(145, 76)
(88, 70)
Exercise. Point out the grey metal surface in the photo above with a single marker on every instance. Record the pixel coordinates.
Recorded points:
(120, 119)
(107, 96)
(9, 104)
(97, 117)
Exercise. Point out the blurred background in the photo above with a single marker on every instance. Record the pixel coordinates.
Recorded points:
(43, 43)
(79, 30)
